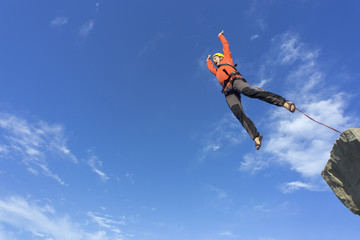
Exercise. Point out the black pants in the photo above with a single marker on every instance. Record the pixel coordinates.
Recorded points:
(233, 99)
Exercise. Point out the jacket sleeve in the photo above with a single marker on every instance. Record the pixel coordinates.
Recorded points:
(211, 66)
(226, 47)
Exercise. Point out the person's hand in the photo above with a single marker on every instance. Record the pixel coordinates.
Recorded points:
(208, 57)
(222, 32)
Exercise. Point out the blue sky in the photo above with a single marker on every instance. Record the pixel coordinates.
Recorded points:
(112, 127)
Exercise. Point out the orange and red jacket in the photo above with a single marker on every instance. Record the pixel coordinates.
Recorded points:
(218, 72)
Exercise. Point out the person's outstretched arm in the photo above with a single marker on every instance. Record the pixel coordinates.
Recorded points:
(210, 65)
(226, 47)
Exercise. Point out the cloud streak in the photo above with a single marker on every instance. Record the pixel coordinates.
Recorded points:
(227, 234)
(36, 220)
(297, 185)
(59, 21)
(41, 222)
(220, 194)
(107, 222)
(255, 36)
(86, 28)
(95, 165)
(33, 144)
(226, 132)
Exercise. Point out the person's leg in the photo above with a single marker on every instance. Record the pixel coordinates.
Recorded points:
(244, 88)
(234, 101)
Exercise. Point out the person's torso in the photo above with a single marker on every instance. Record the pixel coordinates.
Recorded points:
(222, 75)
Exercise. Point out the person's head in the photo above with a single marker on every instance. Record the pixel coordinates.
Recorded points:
(217, 57)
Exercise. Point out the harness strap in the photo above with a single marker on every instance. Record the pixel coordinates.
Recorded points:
(228, 64)
(231, 82)
(234, 73)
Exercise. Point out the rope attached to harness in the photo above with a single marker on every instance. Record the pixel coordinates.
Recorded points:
(301, 112)
(317, 121)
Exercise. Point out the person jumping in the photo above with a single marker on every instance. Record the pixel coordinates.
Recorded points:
(234, 85)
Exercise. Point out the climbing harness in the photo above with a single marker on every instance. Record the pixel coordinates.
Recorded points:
(232, 74)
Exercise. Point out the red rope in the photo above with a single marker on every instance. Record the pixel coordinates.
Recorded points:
(302, 112)
(317, 121)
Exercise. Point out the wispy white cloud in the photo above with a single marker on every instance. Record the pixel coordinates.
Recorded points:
(37, 220)
(304, 144)
(253, 163)
(95, 165)
(300, 142)
(4, 149)
(33, 144)
(42, 222)
(294, 139)
(262, 208)
(224, 133)
(59, 21)
(272, 207)
(220, 194)
(227, 234)
(294, 186)
(263, 82)
(107, 222)
(86, 29)
(255, 36)
(288, 48)
(97, 7)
